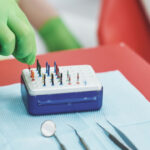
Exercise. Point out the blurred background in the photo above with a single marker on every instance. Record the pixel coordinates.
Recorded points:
(82, 17)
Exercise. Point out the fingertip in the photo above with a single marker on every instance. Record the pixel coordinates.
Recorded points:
(27, 60)
(30, 59)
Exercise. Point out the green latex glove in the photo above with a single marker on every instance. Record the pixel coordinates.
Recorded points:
(57, 36)
(16, 34)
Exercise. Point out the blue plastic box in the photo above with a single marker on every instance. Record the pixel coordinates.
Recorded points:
(48, 99)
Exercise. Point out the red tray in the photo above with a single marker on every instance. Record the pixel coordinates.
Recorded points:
(104, 58)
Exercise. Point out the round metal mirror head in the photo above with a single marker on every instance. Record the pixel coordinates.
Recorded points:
(48, 128)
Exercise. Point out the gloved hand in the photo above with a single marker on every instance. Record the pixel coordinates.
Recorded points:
(57, 36)
(16, 34)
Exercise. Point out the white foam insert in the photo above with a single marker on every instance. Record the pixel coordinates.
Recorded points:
(87, 81)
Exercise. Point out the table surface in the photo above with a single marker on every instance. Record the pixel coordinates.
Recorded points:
(104, 58)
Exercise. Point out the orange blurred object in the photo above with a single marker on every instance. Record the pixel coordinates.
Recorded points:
(125, 21)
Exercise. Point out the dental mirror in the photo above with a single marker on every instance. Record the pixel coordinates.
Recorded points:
(48, 128)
